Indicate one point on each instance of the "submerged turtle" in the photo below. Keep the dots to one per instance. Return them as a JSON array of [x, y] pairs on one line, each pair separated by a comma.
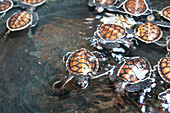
[[133, 7], [134, 74], [5, 5], [112, 37], [81, 64], [101, 4], [28, 3], [21, 20]]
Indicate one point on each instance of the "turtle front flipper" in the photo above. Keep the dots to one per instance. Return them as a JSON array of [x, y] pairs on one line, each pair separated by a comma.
[[138, 86], [115, 72], [61, 83], [35, 19], [121, 2], [160, 43], [162, 24]]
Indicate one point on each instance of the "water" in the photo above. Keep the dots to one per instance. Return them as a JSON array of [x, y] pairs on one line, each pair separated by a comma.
[[31, 61]]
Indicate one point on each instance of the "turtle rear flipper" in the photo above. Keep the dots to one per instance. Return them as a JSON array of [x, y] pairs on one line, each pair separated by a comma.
[[35, 19], [65, 57], [121, 2], [168, 43], [61, 83], [138, 86]]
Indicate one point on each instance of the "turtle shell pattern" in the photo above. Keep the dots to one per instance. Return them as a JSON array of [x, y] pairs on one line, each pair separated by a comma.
[[5, 5], [105, 2], [19, 21], [110, 32], [166, 13], [33, 2], [135, 7], [164, 69], [82, 62], [135, 69], [148, 32]]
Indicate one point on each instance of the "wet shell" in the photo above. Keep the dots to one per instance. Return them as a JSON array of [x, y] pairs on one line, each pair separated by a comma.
[[135, 70], [135, 7], [105, 2], [110, 32], [5, 6], [19, 21], [33, 2], [164, 69], [166, 13], [148, 32], [82, 62]]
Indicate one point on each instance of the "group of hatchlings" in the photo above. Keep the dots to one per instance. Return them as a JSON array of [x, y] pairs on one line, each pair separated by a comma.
[[20, 19], [133, 73]]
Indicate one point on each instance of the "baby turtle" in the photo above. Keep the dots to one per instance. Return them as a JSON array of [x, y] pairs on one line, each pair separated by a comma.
[[134, 7], [112, 37], [28, 3], [5, 5], [134, 74], [148, 32], [21, 20], [101, 4], [81, 64]]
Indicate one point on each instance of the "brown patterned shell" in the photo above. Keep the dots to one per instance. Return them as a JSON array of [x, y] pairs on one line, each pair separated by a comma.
[[19, 21], [135, 7], [5, 6], [110, 32], [105, 2], [164, 69], [148, 32], [82, 62], [166, 13], [135, 69], [33, 2]]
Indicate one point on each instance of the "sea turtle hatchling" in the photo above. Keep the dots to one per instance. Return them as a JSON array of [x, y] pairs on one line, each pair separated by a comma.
[[21, 20], [102, 4], [28, 3], [112, 37], [133, 73], [134, 7], [150, 32], [81, 64], [5, 5]]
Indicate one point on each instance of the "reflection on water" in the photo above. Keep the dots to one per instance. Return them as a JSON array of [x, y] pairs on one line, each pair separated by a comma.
[[31, 61]]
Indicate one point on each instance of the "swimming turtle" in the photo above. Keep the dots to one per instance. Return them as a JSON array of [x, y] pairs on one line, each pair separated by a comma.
[[5, 5], [21, 20], [113, 37], [101, 4], [133, 73], [28, 3], [81, 64], [134, 7], [150, 32]]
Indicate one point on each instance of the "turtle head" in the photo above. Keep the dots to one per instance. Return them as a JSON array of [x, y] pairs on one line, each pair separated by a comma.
[[82, 81], [150, 18]]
